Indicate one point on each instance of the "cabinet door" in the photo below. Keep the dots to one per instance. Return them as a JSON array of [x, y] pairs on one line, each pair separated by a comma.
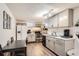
[[63, 19], [55, 21], [60, 50], [52, 44], [47, 43]]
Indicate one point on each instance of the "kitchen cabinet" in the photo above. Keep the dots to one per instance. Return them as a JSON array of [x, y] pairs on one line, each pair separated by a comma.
[[59, 50], [62, 46], [66, 18], [50, 43], [54, 21], [59, 45], [62, 19]]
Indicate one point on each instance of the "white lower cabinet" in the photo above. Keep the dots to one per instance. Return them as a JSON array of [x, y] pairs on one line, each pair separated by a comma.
[[47, 43], [59, 46], [50, 43], [62, 46], [59, 50]]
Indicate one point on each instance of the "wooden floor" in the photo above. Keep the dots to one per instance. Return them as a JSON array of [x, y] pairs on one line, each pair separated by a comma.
[[36, 49]]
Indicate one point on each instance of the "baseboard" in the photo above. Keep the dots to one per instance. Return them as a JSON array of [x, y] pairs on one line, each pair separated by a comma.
[[52, 51]]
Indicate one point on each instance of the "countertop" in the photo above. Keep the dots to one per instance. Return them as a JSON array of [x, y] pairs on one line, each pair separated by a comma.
[[64, 38], [58, 37]]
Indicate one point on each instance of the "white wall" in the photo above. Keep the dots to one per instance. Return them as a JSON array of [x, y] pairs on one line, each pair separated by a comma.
[[6, 34]]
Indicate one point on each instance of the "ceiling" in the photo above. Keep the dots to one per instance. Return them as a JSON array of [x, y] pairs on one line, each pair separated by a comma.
[[35, 11]]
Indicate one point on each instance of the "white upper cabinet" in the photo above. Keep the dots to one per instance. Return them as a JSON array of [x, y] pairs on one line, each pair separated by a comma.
[[63, 19], [66, 18], [76, 16], [55, 21]]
